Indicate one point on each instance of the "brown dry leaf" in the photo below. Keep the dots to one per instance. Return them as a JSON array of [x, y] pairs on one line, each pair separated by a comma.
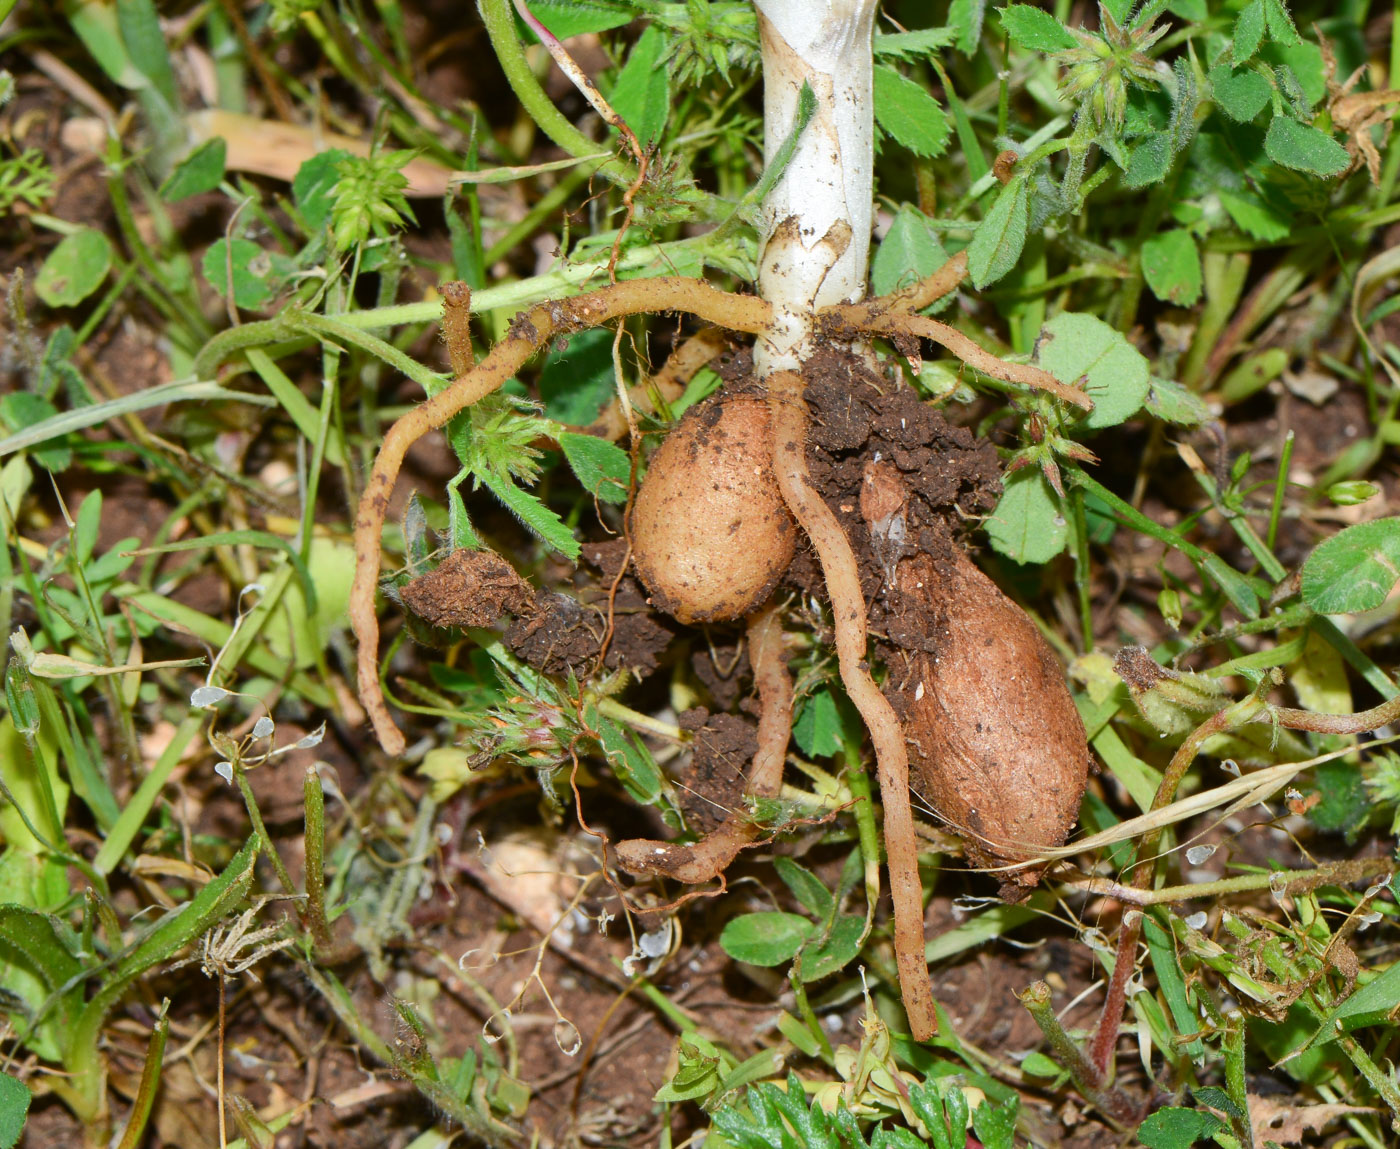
[[1273, 1120]]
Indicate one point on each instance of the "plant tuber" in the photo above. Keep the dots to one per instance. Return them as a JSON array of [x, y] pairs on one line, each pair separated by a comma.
[[711, 535], [996, 744]]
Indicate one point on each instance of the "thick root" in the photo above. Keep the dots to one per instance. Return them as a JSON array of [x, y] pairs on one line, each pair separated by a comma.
[[848, 608], [706, 859], [530, 331]]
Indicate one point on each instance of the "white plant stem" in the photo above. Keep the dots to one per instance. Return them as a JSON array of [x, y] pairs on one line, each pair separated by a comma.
[[817, 219]]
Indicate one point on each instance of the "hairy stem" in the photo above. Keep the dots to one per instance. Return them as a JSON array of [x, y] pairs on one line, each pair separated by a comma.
[[848, 609], [528, 333], [708, 858]]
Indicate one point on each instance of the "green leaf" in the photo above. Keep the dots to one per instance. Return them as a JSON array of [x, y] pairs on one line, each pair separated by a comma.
[[1149, 161], [1354, 570], [1345, 804], [1074, 345], [630, 761], [603, 468], [14, 1108], [1170, 401], [837, 951], [806, 887], [965, 18], [1193, 11], [534, 514], [995, 1125], [642, 94], [1255, 217], [1369, 1005], [1241, 95], [767, 939], [1172, 267], [1304, 60], [1173, 1127], [1249, 32], [908, 114], [1280, 23], [1029, 524], [75, 268], [1304, 148], [198, 172], [1038, 1065], [1036, 29], [817, 730], [997, 243], [256, 274], [145, 41], [1172, 983], [576, 380], [313, 187], [22, 409], [567, 18], [914, 45], [909, 251]]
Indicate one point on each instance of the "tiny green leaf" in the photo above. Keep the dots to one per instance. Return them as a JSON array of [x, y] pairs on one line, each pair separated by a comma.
[[198, 172], [1034, 28], [1304, 148], [75, 268], [603, 468], [254, 273], [806, 887], [908, 114], [997, 243], [817, 730], [1174, 1127], [1028, 525], [14, 1109], [577, 378], [1255, 217], [1074, 345], [1172, 267], [837, 951], [1280, 23], [916, 45], [1149, 161], [567, 18], [965, 18], [909, 251], [313, 187], [642, 94], [1249, 32], [1355, 569], [1241, 95], [1172, 402], [767, 939]]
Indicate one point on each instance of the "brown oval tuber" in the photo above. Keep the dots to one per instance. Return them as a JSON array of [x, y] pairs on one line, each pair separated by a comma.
[[996, 744], [711, 535]]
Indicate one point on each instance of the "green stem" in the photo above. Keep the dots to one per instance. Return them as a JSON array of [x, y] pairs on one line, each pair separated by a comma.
[[255, 816]]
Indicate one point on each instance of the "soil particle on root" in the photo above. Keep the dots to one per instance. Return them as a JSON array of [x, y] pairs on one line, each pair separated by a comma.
[[944, 473], [468, 588], [711, 787]]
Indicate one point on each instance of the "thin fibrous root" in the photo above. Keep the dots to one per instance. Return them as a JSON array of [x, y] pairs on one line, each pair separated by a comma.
[[916, 297], [848, 610], [530, 331], [842, 322], [709, 857]]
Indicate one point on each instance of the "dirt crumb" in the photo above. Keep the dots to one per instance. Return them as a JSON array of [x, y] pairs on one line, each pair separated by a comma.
[[468, 588], [712, 785]]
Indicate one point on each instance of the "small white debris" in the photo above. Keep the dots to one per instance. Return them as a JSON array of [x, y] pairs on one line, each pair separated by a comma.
[[224, 770], [1198, 854], [919, 692], [207, 695], [1197, 921]]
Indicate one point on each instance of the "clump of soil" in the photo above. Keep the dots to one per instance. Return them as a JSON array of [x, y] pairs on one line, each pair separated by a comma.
[[561, 634], [468, 588], [711, 787]]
